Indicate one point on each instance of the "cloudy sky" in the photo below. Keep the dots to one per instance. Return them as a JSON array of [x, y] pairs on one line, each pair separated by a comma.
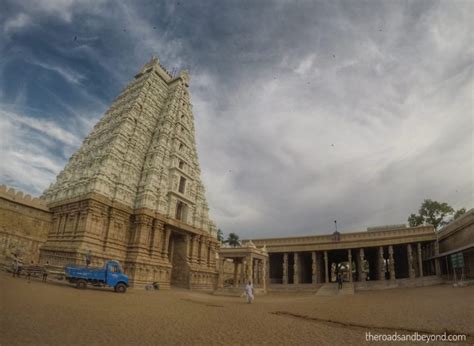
[[306, 111]]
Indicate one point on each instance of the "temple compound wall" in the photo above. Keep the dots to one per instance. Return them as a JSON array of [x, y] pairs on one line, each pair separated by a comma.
[[456, 237], [133, 191], [376, 258], [24, 225]]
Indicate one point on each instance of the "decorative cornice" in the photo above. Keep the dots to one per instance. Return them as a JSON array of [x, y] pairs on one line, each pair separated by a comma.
[[349, 240]]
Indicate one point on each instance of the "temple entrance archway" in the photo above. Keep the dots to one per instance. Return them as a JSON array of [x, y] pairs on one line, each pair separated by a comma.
[[178, 258]]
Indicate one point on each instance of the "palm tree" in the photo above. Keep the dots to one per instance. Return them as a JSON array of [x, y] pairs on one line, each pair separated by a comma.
[[233, 240], [220, 236]]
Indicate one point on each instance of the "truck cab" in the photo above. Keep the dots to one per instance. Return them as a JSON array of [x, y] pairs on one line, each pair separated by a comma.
[[114, 274]]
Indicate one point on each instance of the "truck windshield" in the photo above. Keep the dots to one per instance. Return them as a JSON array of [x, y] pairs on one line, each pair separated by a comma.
[[114, 268]]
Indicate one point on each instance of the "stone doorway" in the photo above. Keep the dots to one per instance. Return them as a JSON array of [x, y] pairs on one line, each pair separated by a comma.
[[338, 264], [178, 258]]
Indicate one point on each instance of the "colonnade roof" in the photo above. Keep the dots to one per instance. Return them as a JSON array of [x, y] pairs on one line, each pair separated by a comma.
[[349, 240], [243, 251]]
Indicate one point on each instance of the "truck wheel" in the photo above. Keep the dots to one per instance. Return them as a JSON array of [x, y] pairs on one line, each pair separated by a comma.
[[120, 288], [81, 284]]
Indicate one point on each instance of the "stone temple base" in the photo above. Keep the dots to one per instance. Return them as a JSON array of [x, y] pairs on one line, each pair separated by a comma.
[[149, 246]]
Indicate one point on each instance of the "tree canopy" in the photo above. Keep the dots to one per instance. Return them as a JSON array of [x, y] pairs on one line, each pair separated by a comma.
[[233, 240], [434, 213], [220, 235], [459, 213]]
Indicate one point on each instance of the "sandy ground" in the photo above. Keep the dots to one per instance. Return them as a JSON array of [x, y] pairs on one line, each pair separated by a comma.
[[57, 314]]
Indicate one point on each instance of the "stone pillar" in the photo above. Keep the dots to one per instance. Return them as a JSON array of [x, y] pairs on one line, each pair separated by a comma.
[[166, 243], [236, 268], [411, 270], [392, 262], [201, 249], [221, 272], [208, 253], [326, 272], [264, 274], [437, 263], [195, 246], [214, 247], [267, 271], [349, 259], [285, 268], [360, 266], [249, 269], [314, 268], [255, 272], [296, 272], [420, 260], [243, 265], [187, 240], [382, 267], [157, 238]]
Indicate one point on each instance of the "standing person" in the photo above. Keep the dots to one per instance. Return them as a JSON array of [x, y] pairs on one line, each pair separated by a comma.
[[28, 272], [249, 292], [15, 264], [339, 281], [88, 257], [45, 272]]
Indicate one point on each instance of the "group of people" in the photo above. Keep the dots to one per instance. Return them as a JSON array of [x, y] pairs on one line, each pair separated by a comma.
[[17, 267]]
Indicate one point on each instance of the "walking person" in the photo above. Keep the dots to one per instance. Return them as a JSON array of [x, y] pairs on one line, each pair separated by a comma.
[[249, 292], [88, 258]]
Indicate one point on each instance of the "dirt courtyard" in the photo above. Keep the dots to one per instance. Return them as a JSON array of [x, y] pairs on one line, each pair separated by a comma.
[[57, 314]]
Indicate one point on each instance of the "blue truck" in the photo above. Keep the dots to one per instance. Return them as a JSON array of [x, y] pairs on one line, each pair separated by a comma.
[[110, 275]]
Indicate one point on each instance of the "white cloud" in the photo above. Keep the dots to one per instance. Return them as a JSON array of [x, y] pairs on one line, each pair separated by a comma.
[[20, 21], [46, 127], [29, 151], [67, 73]]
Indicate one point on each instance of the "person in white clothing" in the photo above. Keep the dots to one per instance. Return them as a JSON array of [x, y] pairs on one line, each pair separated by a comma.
[[249, 292]]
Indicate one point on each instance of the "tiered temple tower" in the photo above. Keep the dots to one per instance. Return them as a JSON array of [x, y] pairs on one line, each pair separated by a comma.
[[133, 190]]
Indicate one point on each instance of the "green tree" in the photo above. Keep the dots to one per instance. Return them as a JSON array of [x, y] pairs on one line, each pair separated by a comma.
[[233, 240], [459, 213], [433, 213], [220, 235]]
